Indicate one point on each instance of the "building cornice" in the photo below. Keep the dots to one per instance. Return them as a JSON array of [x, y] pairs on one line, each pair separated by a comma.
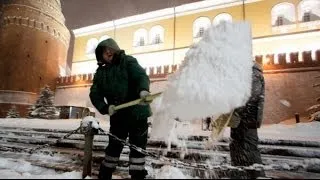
[[157, 15]]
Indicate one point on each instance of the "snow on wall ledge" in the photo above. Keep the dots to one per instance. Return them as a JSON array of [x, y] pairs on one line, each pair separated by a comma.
[[215, 78]]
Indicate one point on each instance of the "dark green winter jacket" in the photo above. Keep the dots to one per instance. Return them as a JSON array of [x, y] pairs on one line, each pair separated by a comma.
[[118, 82]]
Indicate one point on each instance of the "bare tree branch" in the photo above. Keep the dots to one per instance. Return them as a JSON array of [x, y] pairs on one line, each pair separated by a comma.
[[314, 107], [316, 85]]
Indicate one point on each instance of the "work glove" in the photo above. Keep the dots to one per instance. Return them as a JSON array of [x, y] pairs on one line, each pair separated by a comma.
[[111, 110], [143, 95], [235, 120]]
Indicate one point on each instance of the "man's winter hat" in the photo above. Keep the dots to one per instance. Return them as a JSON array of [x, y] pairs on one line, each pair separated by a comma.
[[110, 43], [105, 43]]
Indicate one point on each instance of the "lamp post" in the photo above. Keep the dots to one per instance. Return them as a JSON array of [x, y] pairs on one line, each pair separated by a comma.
[[243, 10]]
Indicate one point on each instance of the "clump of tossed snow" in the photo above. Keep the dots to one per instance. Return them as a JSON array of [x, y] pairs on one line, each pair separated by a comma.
[[312, 165], [42, 156], [214, 79], [86, 121], [19, 169], [170, 172], [285, 103]]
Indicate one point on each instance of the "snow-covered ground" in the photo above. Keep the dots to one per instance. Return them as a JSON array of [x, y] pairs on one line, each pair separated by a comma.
[[302, 131], [61, 124], [19, 168]]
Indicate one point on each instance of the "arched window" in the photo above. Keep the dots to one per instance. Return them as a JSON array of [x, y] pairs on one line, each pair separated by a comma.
[[221, 18], [309, 10], [156, 35], [283, 14], [91, 45], [140, 37], [200, 25], [104, 37]]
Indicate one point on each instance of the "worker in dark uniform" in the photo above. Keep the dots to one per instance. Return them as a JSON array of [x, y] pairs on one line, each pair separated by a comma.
[[244, 124], [244, 138], [120, 79]]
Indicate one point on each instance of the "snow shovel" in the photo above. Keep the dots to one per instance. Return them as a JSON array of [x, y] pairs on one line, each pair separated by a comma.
[[219, 124], [137, 101]]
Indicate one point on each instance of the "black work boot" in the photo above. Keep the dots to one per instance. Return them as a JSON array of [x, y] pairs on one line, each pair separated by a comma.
[[105, 173], [139, 175]]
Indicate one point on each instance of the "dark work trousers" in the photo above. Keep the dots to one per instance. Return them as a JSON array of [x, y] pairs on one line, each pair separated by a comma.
[[244, 148], [123, 124]]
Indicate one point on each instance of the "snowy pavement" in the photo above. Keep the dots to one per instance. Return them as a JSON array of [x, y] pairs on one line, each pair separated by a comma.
[[20, 168], [60, 124], [302, 131]]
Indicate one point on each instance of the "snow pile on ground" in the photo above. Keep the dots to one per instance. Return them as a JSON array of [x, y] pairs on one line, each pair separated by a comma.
[[296, 132], [215, 78], [170, 172], [307, 131], [61, 124], [312, 165], [90, 119], [19, 169]]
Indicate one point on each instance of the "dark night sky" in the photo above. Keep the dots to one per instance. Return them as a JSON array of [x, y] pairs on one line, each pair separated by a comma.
[[80, 13]]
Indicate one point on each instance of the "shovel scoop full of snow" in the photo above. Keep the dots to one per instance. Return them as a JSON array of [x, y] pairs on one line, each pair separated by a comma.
[[214, 79]]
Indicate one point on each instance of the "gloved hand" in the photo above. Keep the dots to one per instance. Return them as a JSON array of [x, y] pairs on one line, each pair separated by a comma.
[[111, 110], [235, 120], [143, 95]]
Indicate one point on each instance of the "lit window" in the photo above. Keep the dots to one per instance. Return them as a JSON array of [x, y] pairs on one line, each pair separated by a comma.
[[279, 21], [201, 32], [157, 39], [306, 17], [91, 45], [283, 14], [140, 37], [141, 41], [223, 17], [156, 35], [200, 25], [309, 10]]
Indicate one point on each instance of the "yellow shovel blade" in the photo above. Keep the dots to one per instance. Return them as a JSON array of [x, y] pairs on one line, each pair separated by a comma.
[[137, 101]]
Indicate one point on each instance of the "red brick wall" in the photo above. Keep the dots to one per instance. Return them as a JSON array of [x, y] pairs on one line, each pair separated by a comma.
[[22, 109], [33, 45], [295, 87]]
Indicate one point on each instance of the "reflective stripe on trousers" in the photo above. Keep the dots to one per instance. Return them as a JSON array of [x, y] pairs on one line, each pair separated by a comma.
[[137, 164], [137, 160], [134, 167], [110, 162], [112, 159]]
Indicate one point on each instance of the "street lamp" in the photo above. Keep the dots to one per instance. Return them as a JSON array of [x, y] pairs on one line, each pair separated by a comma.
[[243, 10]]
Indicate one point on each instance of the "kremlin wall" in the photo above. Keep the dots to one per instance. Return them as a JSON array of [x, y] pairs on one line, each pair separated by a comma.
[[36, 41]]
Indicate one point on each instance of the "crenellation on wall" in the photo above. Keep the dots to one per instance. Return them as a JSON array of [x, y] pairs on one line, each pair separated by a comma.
[[155, 73], [48, 18], [52, 30], [285, 62], [298, 59], [49, 7], [288, 91]]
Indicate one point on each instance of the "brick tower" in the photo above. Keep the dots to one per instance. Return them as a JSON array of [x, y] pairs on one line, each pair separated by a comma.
[[34, 42]]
